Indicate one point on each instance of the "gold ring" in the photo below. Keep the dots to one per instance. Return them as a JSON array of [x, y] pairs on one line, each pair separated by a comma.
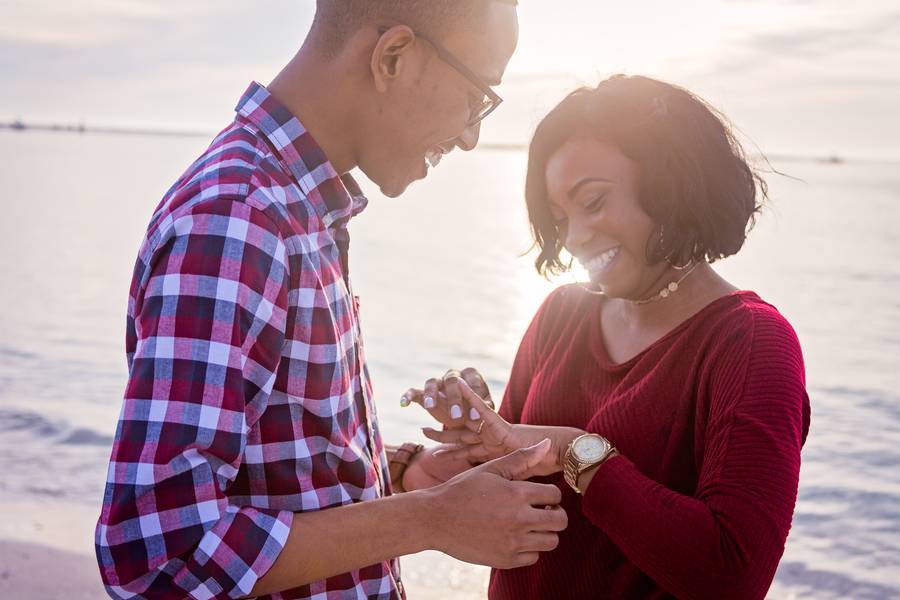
[[480, 427]]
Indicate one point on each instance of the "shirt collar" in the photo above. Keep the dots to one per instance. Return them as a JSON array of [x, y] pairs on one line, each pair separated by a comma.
[[335, 198]]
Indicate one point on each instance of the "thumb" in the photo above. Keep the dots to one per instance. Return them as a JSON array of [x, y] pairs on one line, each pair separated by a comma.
[[518, 464]]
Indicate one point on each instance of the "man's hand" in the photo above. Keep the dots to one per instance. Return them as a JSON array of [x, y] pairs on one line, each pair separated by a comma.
[[488, 515], [491, 436], [433, 466], [444, 400]]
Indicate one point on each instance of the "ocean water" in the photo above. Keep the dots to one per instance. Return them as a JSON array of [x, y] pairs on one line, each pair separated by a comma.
[[442, 284]]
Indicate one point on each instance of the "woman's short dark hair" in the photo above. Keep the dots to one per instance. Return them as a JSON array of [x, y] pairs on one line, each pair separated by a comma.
[[694, 180]]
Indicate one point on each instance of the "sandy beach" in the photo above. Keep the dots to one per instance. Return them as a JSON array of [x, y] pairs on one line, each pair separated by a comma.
[[26, 568], [46, 550], [47, 553]]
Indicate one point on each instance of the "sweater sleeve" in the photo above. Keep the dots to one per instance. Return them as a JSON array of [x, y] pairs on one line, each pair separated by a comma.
[[725, 540]]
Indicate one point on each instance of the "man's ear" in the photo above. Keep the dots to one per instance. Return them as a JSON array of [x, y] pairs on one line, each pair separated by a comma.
[[390, 55]]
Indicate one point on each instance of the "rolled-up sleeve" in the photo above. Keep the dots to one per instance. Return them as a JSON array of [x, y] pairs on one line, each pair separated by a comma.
[[209, 325]]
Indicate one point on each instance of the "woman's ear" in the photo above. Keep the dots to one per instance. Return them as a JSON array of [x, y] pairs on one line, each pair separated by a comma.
[[391, 55]]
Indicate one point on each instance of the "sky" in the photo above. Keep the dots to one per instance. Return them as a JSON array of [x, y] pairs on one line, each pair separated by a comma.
[[805, 77]]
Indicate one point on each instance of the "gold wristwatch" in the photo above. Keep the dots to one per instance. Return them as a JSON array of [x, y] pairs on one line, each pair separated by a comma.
[[585, 451]]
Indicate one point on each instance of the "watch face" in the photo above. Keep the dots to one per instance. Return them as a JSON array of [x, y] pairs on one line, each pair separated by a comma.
[[590, 448]]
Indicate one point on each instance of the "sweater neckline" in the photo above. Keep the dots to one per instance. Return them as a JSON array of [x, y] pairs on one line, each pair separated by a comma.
[[612, 365]]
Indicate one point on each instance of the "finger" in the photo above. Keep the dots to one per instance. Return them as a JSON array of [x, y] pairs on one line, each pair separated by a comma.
[[540, 494], [452, 383], [516, 465], [495, 427], [430, 395], [525, 559], [433, 400], [481, 453], [541, 541], [550, 518], [411, 395], [449, 436], [472, 377], [474, 400], [474, 454], [468, 437]]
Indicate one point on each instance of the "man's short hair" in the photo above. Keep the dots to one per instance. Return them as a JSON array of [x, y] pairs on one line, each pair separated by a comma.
[[337, 20]]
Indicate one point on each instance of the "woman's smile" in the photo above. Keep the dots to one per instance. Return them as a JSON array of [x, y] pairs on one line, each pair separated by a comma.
[[597, 264]]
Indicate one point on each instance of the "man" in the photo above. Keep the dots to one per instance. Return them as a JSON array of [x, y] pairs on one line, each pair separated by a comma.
[[248, 459]]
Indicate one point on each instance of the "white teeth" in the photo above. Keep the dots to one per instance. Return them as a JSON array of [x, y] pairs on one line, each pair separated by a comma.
[[600, 261], [434, 157]]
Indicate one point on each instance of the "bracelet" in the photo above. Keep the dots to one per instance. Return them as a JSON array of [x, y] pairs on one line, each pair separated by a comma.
[[398, 461]]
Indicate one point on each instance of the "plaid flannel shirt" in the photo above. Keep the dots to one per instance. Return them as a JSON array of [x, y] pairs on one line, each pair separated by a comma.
[[248, 397]]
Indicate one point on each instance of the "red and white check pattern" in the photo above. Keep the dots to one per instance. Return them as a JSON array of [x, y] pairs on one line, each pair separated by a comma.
[[248, 398]]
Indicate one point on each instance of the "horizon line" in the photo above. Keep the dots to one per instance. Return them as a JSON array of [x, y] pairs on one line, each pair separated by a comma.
[[82, 128]]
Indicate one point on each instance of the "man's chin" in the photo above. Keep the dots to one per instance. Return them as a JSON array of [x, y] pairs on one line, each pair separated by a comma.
[[392, 192], [397, 188], [394, 189], [394, 184]]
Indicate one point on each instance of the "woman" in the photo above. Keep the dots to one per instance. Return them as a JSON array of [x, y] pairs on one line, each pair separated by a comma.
[[675, 401]]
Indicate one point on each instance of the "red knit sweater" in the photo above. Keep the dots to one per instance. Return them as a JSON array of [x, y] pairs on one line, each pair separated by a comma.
[[710, 420]]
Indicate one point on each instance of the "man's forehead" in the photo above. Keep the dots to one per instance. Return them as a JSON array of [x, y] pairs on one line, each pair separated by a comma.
[[488, 49]]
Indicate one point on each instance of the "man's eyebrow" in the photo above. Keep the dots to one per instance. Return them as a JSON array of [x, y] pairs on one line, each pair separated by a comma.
[[585, 181]]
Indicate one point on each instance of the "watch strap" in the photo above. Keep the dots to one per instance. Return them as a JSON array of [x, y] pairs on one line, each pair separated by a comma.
[[399, 458]]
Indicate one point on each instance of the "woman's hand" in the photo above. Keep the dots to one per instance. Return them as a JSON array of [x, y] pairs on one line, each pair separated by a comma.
[[433, 466], [444, 401], [490, 436]]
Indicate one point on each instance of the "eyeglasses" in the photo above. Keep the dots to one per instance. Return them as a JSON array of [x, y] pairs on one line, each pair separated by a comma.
[[489, 100]]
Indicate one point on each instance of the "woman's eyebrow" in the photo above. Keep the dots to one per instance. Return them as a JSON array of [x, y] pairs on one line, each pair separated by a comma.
[[585, 181]]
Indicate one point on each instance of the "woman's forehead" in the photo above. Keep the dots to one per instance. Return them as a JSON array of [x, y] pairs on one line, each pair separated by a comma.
[[584, 158]]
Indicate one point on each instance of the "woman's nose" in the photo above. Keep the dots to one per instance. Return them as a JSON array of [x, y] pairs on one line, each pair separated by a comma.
[[577, 235]]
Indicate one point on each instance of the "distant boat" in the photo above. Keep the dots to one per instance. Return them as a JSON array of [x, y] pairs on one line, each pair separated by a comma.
[[18, 125], [834, 159]]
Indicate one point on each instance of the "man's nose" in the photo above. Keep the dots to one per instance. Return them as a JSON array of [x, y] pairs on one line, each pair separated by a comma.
[[469, 138]]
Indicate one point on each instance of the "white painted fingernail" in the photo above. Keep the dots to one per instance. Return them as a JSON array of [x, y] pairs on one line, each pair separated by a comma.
[[429, 402], [404, 401], [455, 412], [473, 414]]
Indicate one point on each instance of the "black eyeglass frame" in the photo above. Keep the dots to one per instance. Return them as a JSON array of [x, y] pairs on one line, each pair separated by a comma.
[[482, 86]]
